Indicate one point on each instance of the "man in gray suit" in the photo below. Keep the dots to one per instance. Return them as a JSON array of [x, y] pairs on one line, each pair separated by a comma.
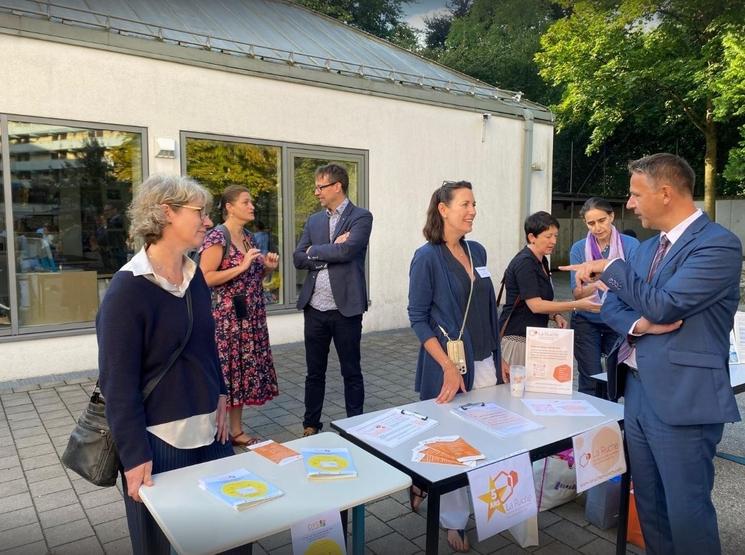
[[334, 295], [675, 301]]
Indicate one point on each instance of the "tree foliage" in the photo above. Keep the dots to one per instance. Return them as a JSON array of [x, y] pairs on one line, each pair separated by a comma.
[[643, 63], [382, 18], [496, 42]]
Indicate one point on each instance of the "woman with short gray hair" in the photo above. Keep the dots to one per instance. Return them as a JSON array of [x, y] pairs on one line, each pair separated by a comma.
[[158, 307]]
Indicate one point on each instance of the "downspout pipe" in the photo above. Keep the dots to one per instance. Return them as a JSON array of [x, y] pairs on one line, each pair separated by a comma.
[[526, 187]]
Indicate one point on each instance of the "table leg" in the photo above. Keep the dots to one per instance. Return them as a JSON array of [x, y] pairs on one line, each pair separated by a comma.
[[433, 522], [344, 516], [623, 505], [358, 530]]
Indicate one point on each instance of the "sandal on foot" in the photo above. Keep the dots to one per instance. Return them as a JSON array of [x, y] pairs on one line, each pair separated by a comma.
[[464, 540], [243, 440], [415, 499]]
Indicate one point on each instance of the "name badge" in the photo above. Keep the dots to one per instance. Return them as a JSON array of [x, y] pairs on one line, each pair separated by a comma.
[[483, 271]]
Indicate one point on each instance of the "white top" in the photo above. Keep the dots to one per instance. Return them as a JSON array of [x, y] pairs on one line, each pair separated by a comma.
[[555, 428], [195, 522]]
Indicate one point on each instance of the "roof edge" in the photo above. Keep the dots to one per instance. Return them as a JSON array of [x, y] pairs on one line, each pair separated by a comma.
[[29, 27]]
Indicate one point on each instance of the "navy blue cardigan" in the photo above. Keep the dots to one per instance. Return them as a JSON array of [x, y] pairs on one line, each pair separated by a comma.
[[432, 302], [139, 326]]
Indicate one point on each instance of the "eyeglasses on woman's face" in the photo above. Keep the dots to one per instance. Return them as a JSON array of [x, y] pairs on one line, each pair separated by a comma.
[[203, 213]]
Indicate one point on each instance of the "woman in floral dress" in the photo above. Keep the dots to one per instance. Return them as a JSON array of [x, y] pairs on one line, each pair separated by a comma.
[[235, 277]]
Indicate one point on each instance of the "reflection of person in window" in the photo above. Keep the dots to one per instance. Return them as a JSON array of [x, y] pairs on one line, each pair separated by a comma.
[[261, 237], [111, 239], [34, 253]]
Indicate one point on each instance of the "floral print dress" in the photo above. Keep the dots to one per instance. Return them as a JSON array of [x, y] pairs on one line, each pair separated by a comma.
[[242, 344]]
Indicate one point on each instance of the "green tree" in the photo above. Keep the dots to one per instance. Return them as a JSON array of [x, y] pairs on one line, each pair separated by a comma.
[[496, 42], [730, 102], [382, 18], [645, 63]]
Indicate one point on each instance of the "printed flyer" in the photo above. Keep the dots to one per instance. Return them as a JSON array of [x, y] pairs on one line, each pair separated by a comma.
[[549, 360], [502, 494]]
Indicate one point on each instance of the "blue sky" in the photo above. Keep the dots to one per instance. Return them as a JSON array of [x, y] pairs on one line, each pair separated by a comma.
[[415, 12]]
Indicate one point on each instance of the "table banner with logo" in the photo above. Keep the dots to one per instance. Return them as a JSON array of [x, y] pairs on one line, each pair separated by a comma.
[[321, 534], [503, 495], [598, 455]]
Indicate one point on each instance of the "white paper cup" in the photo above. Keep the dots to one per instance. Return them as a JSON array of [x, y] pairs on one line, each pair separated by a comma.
[[517, 380]]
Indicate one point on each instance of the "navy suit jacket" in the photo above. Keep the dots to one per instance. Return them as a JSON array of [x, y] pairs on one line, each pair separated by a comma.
[[345, 261], [433, 303], [685, 374]]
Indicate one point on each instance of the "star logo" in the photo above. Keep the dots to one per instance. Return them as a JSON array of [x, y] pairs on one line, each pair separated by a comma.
[[501, 488]]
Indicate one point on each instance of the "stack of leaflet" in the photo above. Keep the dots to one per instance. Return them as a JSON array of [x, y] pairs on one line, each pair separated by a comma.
[[325, 464], [278, 453], [240, 489], [447, 450]]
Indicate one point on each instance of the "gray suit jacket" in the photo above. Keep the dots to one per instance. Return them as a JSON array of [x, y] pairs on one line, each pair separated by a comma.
[[345, 261]]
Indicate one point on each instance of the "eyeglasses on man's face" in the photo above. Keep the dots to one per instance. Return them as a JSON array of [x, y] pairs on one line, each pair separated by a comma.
[[203, 213], [322, 187]]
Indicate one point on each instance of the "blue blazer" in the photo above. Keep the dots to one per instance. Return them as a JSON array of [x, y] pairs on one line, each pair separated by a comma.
[[345, 261], [685, 374], [432, 302]]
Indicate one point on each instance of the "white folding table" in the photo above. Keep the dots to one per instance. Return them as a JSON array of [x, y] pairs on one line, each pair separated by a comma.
[[437, 479], [197, 523]]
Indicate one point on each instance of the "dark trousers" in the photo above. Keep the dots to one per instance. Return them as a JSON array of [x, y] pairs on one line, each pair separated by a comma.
[[144, 533], [673, 472], [320, 329], [591, 341]]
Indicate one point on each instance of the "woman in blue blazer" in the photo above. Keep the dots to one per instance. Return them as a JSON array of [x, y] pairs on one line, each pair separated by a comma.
[[451, 295]]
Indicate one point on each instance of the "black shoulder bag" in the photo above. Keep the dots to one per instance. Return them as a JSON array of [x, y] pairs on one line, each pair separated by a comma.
[[514, 306], [91, 451]]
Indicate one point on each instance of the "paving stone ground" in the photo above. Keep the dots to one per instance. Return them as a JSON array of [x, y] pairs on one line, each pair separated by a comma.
[[45, 508]]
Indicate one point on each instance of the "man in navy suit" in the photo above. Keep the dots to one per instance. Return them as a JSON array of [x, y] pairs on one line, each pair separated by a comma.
[[334, 295], [675, 301]]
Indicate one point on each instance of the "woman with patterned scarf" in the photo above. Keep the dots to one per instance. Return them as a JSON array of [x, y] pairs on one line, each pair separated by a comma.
[[592, 337]]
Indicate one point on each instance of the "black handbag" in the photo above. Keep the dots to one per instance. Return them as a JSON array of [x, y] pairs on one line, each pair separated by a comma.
[[91, 451]]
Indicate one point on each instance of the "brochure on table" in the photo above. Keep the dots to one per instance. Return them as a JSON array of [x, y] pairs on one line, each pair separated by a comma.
[[495, 419], [502, 494], [446, 450], [276, 452], [549, 360], [240, 488], [598, 455], [324, 464], [321, 534], [393, 427]]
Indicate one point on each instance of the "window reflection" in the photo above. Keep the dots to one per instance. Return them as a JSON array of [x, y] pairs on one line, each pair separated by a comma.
[[4, 287], [217, 164], [70, 187]]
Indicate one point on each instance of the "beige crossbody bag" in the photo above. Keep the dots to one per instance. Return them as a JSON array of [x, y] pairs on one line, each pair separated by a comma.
[[455, 348]]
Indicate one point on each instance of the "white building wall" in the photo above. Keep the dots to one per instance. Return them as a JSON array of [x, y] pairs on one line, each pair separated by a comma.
[[412, 148]]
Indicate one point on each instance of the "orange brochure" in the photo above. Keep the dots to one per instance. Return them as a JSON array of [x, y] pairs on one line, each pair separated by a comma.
[[276, 452], [458, 449], [446, 450]]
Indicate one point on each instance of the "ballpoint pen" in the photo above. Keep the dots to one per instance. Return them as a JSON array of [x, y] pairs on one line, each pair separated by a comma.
[[416, 414]]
